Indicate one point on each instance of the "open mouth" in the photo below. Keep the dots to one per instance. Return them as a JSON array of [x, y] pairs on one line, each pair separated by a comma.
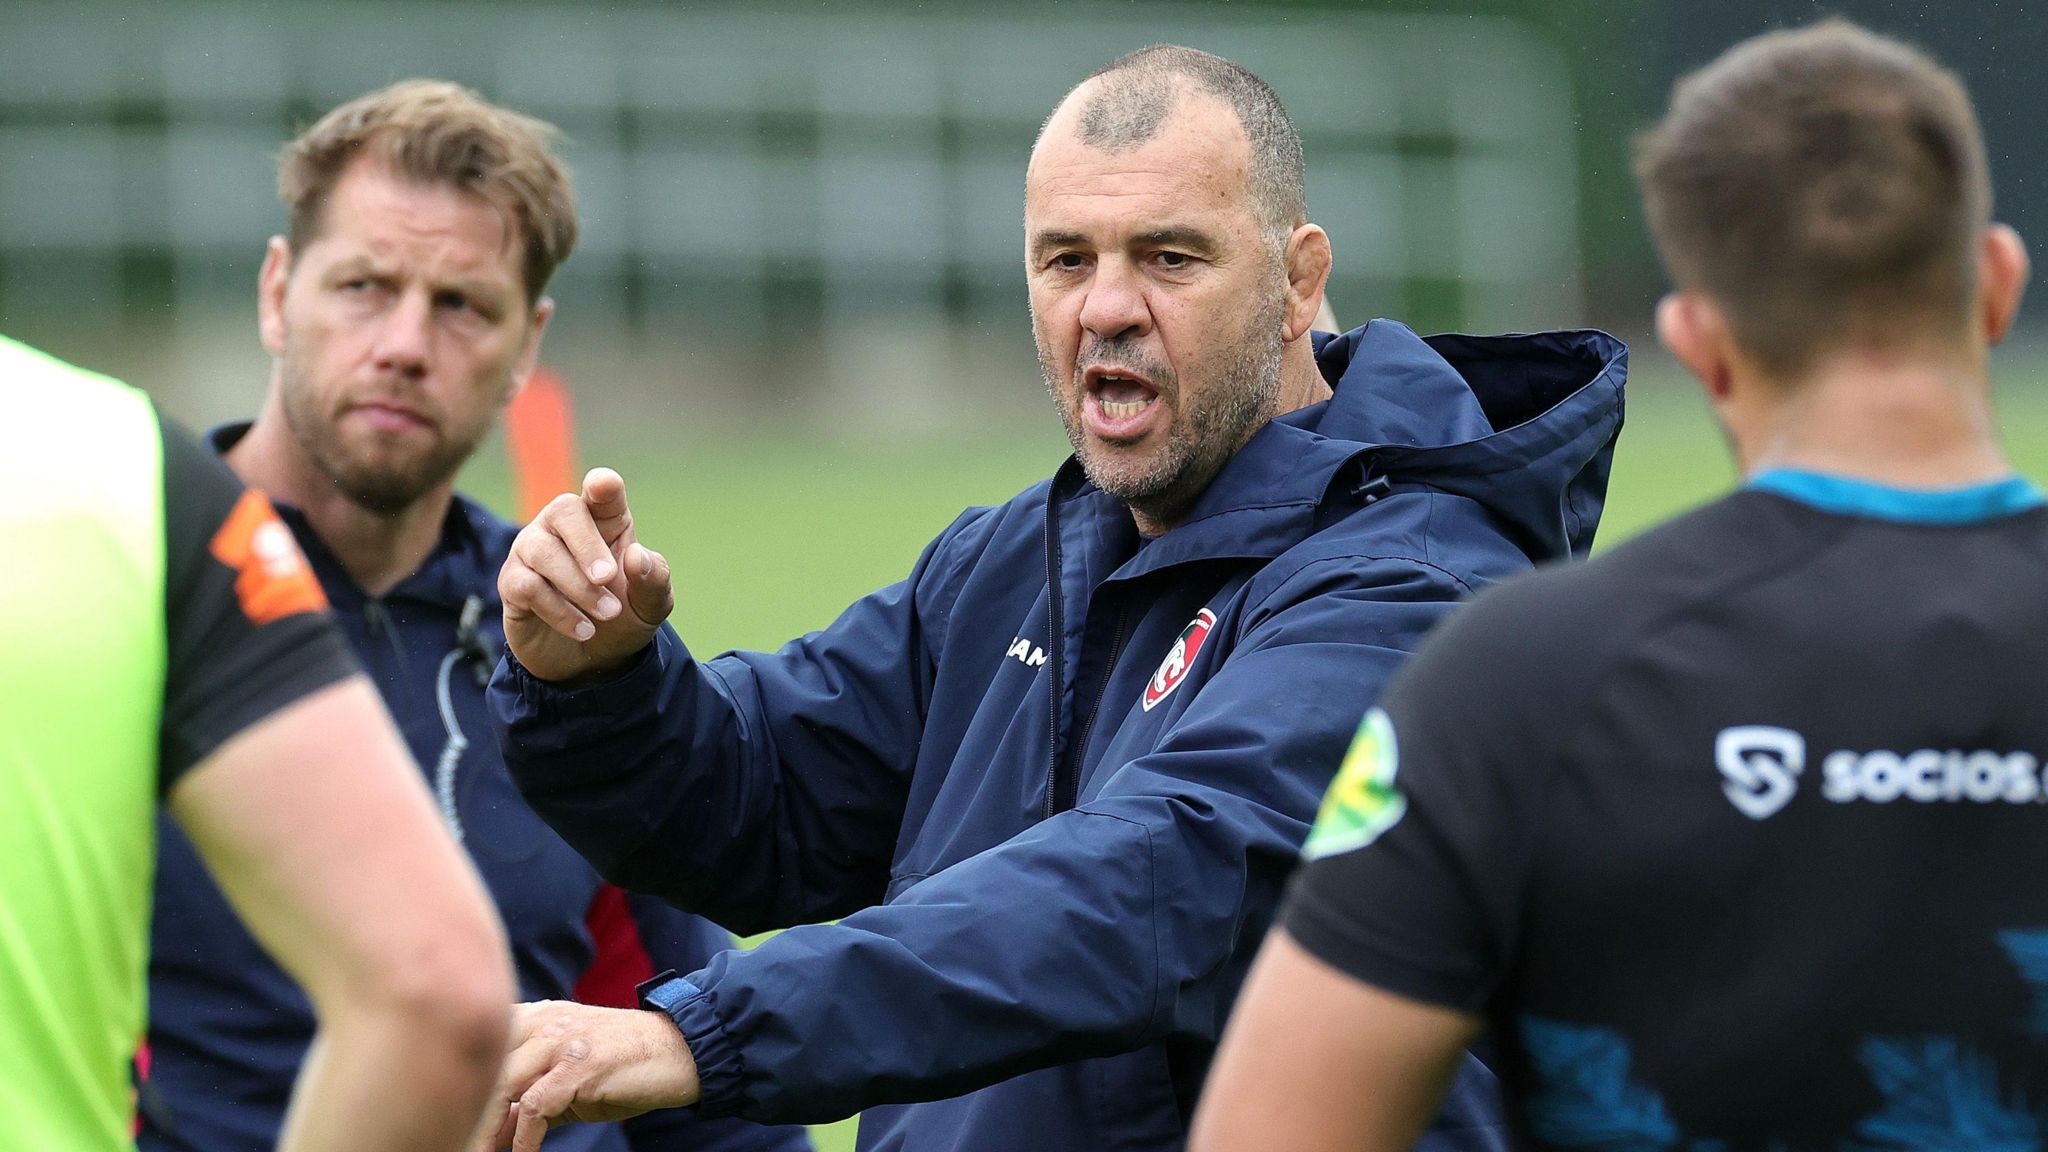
[[1119, 403]]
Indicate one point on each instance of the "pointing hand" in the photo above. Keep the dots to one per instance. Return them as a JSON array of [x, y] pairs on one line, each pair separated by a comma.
[[582, 595]]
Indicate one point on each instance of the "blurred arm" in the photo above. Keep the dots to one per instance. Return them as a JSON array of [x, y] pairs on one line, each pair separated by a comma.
[[1316, 1061], [315, 824]]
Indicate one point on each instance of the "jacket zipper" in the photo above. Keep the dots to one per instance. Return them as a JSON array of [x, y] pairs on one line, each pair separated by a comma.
[[377, 622], [1053, 643], [1079, 748]]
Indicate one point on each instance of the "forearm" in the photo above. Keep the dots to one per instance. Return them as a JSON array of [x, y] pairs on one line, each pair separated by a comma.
[[649, 777], [1072, 941], [760, 789], [446, 1062], [1121, 923], [677, 779]]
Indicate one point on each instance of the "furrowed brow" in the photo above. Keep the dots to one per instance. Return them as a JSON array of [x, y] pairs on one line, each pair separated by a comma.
[[356, 265], [1047, 241], [1179, 236]]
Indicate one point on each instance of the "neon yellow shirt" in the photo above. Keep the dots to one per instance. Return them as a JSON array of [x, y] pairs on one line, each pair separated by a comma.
[[81, 693]]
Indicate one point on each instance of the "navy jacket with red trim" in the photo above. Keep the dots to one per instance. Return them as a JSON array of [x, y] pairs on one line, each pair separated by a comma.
[[228, 1028], [1053, 783]]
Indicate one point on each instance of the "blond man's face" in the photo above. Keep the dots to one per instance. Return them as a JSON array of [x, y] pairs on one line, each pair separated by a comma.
[[400, 331]]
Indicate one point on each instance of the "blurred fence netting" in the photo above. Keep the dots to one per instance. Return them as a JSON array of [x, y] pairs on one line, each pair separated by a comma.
[[815, 206]]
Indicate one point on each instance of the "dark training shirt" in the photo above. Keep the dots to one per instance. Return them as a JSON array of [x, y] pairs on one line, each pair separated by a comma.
[[1735, 835], [248, 631]]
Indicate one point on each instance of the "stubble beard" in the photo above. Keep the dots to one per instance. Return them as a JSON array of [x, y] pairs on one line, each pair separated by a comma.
[[1203, 435], [383, 487]]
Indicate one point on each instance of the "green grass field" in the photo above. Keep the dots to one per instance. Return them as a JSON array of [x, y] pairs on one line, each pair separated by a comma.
[[770, 538]]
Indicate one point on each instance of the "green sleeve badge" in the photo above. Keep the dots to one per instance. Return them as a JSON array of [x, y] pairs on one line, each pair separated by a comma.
[[1362, 801]]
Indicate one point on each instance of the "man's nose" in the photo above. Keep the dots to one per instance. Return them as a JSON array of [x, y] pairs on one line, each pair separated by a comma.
[[1116, 304], [405, 334]]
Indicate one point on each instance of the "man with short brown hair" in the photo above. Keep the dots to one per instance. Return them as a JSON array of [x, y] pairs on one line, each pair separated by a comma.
[[1730, 836], [402, 309], [1826, 189], [434, 132]]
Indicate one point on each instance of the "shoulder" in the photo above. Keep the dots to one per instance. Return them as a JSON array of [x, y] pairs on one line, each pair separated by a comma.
[[1553, 631], [1694, 558], [1417, 530], [983, 535], [1385, 547], [1023, 513], [980, 526]]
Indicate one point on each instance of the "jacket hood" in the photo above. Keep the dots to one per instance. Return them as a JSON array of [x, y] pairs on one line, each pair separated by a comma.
[[1523, 424]]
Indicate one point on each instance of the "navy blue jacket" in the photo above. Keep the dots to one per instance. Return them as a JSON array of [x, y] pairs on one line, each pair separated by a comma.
[[228, 1028], [1054, 781]]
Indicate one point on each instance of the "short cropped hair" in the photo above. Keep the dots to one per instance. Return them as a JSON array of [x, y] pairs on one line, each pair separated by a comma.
[[434, 132], [1141, 89], [1825, 186]]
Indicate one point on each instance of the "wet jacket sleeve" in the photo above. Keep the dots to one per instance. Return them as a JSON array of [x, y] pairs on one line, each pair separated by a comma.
[[1118, 924], [675, 743]]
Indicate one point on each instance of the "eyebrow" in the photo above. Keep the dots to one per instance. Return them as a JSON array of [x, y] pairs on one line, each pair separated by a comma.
[[1044, 241], [353, 265], [367, 265], [1179, 236], [1171, 236]]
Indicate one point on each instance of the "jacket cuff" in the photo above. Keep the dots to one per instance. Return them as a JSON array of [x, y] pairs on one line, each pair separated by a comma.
[[551, 734], [629, 682], [719, 1069]]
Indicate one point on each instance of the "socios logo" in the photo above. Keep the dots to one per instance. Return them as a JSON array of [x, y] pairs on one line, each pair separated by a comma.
[[1760, 767], [1932, 776]]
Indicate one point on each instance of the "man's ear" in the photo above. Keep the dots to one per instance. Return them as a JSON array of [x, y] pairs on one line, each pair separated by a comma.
[[2002, 270], [271, 283], [529, 356], [1308, 272], [1326, 318], [1696, 333]]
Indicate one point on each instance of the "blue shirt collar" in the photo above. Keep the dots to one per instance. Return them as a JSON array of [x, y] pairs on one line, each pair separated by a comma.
[[1849, 497]]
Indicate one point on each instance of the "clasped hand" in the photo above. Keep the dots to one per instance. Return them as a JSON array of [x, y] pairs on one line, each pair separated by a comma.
[[573, 1062]]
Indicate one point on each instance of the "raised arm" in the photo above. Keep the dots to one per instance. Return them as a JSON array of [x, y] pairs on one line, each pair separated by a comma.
[[760, 789]]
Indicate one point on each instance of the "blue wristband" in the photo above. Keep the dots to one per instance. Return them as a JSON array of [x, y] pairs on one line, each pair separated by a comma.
[[664, 990]]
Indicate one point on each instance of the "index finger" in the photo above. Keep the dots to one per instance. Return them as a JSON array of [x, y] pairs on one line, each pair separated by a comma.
[[569, 519], [604, 493]]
